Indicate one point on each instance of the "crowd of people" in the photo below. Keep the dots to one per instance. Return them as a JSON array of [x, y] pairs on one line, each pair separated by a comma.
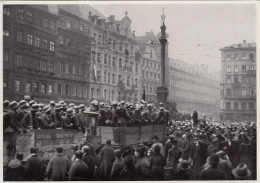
[[191, 150]]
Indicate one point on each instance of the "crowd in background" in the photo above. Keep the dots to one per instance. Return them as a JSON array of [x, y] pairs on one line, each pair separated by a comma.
[[191, 150]]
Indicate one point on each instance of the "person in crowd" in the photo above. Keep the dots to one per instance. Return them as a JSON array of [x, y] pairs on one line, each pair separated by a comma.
[[241, 172], [142, 165], [137, 116], [195, 118], [89, 160], [70, 120], [128, 173], [245, 152], [15, 170], [168, 146], [117, 167], [150, 154], [79, 171], [213, 172], [148, 115], [58, 166], [86, 142], [157, 164], [56, 116], [79, 116], [106, 160], [44, 120], [232, 148], [174, 155], [183, 169], [14, 118], [52, 106], [156, 142], [31, 119], [74, 148]]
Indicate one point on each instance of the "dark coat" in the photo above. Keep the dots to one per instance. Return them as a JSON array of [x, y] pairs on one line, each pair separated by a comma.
[[58, 167], [105, 162], [90, 161], [45, 122], [212, 174], [71, 122], [79, 171], [173, 157], [34, 162], [91, 148], [195, 117], [117, 167], [232, 150], [56, 117], [245, 155], [128, 174], [142, 169], [15, 171], [29, 119], [156, 165], [181, 175], [14, 121]]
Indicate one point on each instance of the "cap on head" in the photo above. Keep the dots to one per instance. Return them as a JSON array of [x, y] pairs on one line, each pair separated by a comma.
[[69, 112], [58, 106], [32, 102], [22, 103], [71, 105], [35, 107], [82, 106], [46, 109], [52, 103], [61, 102]]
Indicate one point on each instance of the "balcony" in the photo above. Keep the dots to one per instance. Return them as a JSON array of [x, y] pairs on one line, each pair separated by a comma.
[[251, 72], [236, 85]]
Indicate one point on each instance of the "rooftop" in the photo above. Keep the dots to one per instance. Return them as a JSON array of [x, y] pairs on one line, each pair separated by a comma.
[[240, 45]]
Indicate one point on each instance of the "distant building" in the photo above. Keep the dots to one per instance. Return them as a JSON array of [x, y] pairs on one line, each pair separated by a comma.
[[238, 86], [193, 87]]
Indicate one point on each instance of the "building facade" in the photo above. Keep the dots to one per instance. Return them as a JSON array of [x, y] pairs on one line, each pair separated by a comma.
[[193, 87], [238, 85]]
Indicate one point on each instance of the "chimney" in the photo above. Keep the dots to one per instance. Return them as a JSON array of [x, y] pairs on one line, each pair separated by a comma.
[[244, 41]]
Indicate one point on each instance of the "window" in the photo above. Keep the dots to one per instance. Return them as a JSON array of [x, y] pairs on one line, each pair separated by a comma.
[[92, 92], [29, 39], [62, 21], [93, 56], [243, 68], [243, 79], [136, 67], [114, 61], [113, 95], [81, 27], [53, 25], [154, 75], [128, 81], [6, 30], [109, 60], [37, 41], [120, 63], [228, 56], [251, 80], [43, 65], [50, 91], [251, 106], [99, 39], [51, 46], [29, 16], [236, 57], [28, 88], [43, 89], [73, 91], [17, 85], [251, 67], [69, 23], [97, 93], [19, 36], [108, 77], [243, 105], [105, 59], [6, 10], [51, 66], [228, 69], [228, 80], [98, 75], [136, 82], [113, 78], [119, 77], [99, 57], [251, 57], [243, 57], [105, 94], [45, 23], [114, 44], [236, 68], [85, 92], [77, 70], [62, 67], [6, 55], [20, 14], [44, 43], [105, 76], [36, 87], [228, 92], [228, 105], [243, 92], [236, 106], [59, 89], [18, 60]]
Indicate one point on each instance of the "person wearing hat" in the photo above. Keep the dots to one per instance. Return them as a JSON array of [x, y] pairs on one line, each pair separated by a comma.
[[183, 169], [81, 116], [79, 171], [213, 172], [56, 116], [58, 166], [241, 172], [101, 121], [117, 167], [137, 117], [128, 173], [31, 119], [70, 120], [64, 109], [156, 142], [6, 106], [33, 166], [80, 119], [74, 148], [31, 103], [157, 164], [124, 117], [44, 120], [22, 109], [142, 165], [148, 115], [52, 106], [89, 160], [195, 118], [15, 170], [161, 117], [232, 147], [173, 156], [214, 145], [168, 146]]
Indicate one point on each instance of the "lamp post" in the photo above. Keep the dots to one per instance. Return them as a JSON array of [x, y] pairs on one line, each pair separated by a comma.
[[162, 91]]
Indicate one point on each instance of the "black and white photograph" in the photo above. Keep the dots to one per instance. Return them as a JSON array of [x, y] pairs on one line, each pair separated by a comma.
[[129, 91]]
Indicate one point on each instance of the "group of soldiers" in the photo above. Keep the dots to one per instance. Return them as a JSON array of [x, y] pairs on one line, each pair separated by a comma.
[[23, 115]]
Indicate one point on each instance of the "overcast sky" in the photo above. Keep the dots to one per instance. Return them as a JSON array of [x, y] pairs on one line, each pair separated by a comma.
[[212, 26]]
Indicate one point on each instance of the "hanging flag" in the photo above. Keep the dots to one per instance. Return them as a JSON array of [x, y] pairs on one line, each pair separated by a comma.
[[95, 72], [143, 97]]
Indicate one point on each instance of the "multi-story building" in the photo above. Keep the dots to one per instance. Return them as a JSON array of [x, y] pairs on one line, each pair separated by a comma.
[[149, 48], [193, 87], [29, 53], [238, 85]]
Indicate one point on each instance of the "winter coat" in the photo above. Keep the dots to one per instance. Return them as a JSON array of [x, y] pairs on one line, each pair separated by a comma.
[[245, 154], [90, 161], [161, 147], [15, 171], [45, 122], [173, 157], [58, 167], [105, 162], [156, 165], [117, 167], [30, 119], [181, 175], [232, 148], [33, 163], [142, 169], [79, 171], [128, 174], [212, 174]]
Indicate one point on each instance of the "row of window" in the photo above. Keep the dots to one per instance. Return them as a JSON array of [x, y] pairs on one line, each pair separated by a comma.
[[243, 56], [238, 106], [36, 41], [69, 42], [150, 64], [236, 68], [33, 87], [150, 75], [244, 79], [74, 91], [70, 68], [181, 95], [240, 92]]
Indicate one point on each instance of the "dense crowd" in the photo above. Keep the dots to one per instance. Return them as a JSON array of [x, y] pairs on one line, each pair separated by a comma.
[[191, 150]]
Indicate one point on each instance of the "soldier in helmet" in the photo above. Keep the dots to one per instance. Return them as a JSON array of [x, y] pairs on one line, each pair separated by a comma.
[[31, 119], [44, 120], [56, 116], [148, 115], [70, 120]]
